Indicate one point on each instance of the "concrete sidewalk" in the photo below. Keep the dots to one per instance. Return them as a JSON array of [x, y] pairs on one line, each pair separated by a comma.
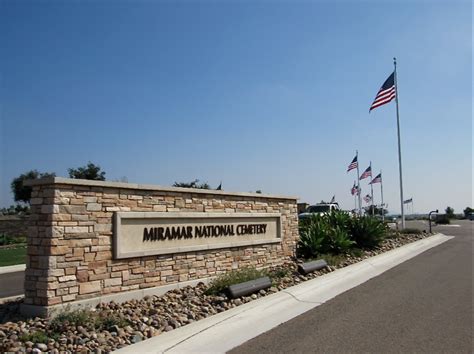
[[12, 279], [226, 330], [12, 268]]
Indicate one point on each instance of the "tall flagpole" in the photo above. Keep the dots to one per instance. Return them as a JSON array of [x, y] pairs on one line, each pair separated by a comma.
[[381, 195], [358, 184], [355, 197], [371, 189], [399, 146]]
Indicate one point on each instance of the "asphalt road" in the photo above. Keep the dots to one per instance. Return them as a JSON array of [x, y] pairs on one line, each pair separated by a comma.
[[422, 305], [11, 284]]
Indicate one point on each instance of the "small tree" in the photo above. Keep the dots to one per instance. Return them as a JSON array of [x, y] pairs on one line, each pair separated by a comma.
[[467, 211], [449, 212], [192, 184], [376, 210], [16, 209], [90, 171], [22, 193]]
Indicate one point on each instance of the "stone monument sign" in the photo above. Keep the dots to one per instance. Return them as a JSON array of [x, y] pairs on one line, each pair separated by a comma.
[[91, 241]]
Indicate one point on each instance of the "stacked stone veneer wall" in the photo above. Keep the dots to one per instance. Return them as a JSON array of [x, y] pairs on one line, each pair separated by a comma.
[[70, 254]]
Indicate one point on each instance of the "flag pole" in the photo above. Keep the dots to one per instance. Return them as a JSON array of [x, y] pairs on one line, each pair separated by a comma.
[[371, 189], [358, 184], [399, 146], [381, 195], [355, 196]]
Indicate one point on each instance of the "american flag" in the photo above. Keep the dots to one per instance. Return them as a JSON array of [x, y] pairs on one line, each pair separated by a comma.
[[377, 179], [354, 189], [353, 164], [367, 173], [386, 93], [367, 198]]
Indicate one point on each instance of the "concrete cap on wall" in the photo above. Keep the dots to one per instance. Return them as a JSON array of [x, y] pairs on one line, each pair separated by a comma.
[[150, 187]]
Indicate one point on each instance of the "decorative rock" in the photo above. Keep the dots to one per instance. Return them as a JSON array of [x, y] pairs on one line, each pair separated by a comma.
[[137, 337], [150, 317], [41, 346]]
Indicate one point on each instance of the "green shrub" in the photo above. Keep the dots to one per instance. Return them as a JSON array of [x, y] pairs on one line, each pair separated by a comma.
[[313, 231], [339, 218], [35, 337], [339, 240], [367, 232], [322, 234], [76, 318], [11, 240], [87, 319], [279, 273], [411, 230], [223, 281], [356, 252], [105, 321]]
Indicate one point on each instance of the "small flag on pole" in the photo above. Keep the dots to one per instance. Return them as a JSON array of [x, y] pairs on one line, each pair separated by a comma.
[[367, 173], [367, 198], [408, 201], [353, 164], [377, 179], [354, 189], [386, 93]]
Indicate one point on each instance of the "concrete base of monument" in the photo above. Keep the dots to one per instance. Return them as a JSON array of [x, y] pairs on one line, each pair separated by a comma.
[[229, 329], [51, 311]]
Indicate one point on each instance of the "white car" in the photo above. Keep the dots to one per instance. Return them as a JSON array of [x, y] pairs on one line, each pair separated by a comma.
[[320, 208]]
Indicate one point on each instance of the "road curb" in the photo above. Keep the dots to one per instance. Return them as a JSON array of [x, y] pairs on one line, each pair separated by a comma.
[[13, 268], [226, 330]]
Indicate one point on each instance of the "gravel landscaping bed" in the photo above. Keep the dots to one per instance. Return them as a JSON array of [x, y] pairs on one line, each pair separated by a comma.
[[111, 326]]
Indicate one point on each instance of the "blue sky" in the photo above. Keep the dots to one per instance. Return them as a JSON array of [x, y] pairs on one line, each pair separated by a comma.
[[269, 95]]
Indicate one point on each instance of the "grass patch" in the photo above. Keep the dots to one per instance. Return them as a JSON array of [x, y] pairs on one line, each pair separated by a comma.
[[35, 337], [76, 318], [332, 259], [223, 281], [279, 273], [356, 252], [13, 256], [87, 319]]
